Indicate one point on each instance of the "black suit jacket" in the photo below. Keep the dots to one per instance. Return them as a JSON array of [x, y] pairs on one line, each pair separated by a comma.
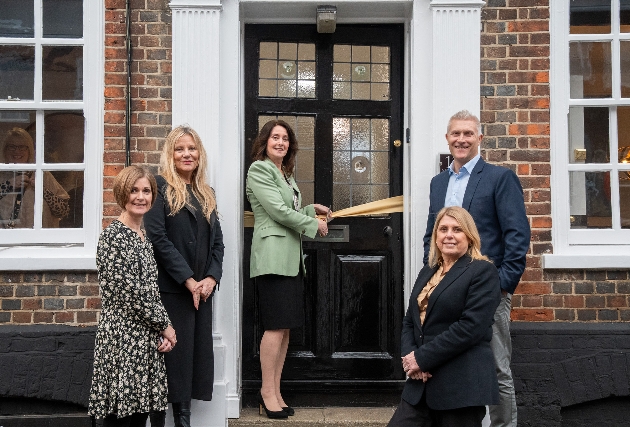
[[454, 343], [175, 244], [494, 198]]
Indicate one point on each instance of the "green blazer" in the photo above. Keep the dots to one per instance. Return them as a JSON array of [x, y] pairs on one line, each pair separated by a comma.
[[277, 241]]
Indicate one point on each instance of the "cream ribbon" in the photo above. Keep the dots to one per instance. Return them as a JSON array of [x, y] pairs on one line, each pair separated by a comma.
[[378, 207]]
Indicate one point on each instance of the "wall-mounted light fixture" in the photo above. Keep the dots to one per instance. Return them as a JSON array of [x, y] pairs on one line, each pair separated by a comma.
[[326, 19]]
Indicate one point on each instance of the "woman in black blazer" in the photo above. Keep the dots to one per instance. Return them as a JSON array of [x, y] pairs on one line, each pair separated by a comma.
[[447, 331], [188, 246]]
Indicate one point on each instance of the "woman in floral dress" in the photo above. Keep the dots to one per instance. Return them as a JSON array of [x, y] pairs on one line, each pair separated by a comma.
[[134, 329]]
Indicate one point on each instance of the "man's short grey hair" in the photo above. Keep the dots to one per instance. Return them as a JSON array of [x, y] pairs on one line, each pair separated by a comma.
[[464, 115]]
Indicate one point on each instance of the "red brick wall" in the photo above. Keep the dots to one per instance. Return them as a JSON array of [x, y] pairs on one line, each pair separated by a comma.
[[150, 90], [73, 297], [69, 298], [515, 110]]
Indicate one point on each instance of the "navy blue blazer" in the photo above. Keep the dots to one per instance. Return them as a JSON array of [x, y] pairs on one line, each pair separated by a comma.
[[453, 344], [494, 198]]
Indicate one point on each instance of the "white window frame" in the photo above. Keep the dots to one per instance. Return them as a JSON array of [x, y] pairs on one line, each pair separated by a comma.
[[65, 249], [573, 248]]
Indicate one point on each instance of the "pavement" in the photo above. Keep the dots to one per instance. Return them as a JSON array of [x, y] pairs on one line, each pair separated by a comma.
[[324, 417]]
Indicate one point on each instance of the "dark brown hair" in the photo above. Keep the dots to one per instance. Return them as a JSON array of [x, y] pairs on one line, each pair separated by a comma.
[[126, 178], [259, 147]]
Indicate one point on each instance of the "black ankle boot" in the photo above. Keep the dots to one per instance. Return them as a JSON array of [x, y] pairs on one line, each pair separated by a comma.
[[158, 418], [181, 414]]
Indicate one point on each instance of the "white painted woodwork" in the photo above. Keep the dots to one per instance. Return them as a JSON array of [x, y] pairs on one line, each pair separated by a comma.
[[66, 249], [197, 84], [208, 80], [594, 248]]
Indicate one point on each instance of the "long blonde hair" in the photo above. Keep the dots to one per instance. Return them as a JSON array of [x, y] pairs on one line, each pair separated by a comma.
[[176, 194], [467, 223]]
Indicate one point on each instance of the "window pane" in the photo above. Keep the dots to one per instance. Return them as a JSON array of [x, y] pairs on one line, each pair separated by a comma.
[[624, 197], [305, 132], [590, 200], [17, 133], [361, 72], [590, 64], [304, 166], [56, 201], [62, 73], [624, 47], [286, 70], [63, 137], [63, 18], [17, 72], [360, 161], [18, 196], [590, 16], [623, 131], [16, 18], [65, 210], [625, 16], [588, 135]]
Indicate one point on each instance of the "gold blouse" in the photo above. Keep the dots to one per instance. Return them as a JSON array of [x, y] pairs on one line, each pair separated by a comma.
[[423, 298]]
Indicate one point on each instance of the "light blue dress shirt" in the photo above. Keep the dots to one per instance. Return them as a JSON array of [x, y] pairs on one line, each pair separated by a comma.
[[457, 183]]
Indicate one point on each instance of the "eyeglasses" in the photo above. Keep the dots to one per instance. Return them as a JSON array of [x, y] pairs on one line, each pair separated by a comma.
[[20, 148]]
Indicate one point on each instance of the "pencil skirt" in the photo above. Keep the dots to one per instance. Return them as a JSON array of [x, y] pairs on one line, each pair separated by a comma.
[[280, 301]]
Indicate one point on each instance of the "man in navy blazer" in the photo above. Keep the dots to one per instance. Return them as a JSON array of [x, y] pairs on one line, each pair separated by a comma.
[[494, 197]]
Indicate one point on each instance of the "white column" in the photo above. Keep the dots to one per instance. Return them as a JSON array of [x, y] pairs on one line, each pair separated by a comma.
[[196, 100], [196, 41], [444, 78], [456, 61]]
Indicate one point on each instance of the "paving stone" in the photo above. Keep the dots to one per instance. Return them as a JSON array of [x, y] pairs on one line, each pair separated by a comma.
[[314, 417]]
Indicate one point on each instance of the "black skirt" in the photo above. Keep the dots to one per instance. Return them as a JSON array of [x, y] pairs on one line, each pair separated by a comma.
[[280, 301]]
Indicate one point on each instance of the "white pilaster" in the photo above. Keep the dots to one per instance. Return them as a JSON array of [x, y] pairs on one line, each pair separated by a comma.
[[456, 62], [445, 67], [196, 41], [196, 101]]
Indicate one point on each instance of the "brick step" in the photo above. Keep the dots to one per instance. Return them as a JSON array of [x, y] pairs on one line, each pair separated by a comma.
[[312, 417]]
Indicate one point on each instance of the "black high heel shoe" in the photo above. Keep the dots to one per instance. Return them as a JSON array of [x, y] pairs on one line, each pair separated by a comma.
[[270, 414], [289, 410]]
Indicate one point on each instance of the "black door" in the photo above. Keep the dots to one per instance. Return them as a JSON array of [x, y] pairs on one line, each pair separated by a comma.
[[342, 93]]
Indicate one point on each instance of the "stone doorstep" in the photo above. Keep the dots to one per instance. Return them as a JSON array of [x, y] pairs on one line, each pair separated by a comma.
[[311, 417]]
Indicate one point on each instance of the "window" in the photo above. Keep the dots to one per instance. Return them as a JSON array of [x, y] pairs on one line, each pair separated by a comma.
[[590, 133], [50, 132]]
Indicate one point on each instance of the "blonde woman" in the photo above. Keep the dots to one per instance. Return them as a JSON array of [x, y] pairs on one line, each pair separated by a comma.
[[447, 330], [188, 246]]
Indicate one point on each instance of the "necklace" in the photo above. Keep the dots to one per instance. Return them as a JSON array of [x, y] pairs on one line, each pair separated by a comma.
[[296, 199]]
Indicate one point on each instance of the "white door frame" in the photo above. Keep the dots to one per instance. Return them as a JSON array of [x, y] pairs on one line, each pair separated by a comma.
[[208, 93]]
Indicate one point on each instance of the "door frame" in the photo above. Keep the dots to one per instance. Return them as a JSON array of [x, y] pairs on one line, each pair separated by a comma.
[[318, 285], [435, 32]]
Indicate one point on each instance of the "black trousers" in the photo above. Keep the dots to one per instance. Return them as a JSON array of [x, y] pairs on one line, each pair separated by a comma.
[[190, 365], [421, 415], [135, 420]]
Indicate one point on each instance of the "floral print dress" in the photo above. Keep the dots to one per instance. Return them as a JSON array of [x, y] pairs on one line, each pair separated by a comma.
[[129, 373]]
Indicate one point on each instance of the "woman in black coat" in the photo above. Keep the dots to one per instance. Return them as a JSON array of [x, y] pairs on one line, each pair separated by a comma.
[[447, 331], [188, 246]]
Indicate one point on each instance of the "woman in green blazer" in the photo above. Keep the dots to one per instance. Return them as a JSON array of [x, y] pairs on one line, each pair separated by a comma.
[[276, 255]]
